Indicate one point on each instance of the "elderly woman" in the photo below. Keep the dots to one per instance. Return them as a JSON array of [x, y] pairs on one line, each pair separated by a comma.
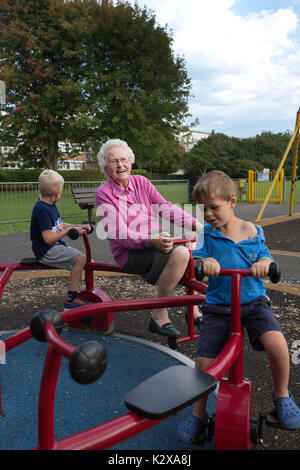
[[130, 205]]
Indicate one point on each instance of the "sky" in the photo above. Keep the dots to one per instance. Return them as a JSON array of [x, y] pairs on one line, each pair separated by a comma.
[[243, 58]]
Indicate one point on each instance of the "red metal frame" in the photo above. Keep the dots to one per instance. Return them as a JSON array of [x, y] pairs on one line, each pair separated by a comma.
[[234, 403], [112, 432]]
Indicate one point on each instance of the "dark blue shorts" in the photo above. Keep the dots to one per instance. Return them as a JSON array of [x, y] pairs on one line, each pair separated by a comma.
[[257, 318]]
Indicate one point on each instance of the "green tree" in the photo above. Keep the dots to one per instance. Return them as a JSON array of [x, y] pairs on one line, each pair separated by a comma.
[[236, 156], [268, 149], [200, 159], [89, 70], [41, 64]]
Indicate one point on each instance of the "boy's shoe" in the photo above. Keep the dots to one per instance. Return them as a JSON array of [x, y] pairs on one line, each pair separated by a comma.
[[191, 428], [288, 412], [197, 321], [75, 303]]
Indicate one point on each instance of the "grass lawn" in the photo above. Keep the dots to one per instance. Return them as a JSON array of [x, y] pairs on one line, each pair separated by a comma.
[[261, 189], [16, 206]]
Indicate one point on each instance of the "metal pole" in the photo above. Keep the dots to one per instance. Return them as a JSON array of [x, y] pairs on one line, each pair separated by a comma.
[[294, 171], [278, 170], [235, 374]]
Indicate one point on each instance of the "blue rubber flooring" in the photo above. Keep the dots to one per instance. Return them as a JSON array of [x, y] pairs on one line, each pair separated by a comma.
[[79, 407]]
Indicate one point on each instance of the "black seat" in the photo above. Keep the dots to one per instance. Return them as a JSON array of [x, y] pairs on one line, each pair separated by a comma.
[[169, 391]]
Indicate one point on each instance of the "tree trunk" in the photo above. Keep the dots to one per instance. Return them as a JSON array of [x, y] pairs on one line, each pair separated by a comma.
[[51, 156]]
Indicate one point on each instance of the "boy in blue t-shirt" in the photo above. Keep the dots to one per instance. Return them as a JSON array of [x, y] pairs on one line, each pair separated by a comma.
[[47, 231], [230, 242]]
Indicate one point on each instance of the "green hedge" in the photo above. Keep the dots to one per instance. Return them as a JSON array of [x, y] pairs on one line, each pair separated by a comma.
[[23, 176], [19, 176]]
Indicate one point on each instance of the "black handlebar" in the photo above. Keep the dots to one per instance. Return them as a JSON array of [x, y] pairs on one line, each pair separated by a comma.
[[274, 271], [73, 233], [87, 362]]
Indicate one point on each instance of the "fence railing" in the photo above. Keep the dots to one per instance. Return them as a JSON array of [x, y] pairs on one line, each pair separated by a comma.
[[243, 190], [17, 199]]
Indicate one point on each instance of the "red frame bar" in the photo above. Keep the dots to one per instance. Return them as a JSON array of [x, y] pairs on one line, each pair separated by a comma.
[[99, 437], [114, 431], [106, 435], [57, 347], [231, 357]]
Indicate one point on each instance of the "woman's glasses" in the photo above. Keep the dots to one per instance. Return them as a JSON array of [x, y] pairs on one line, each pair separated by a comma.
[[115, 162]]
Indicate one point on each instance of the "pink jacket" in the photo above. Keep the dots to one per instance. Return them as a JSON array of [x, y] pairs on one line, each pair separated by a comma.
[[129, 216]]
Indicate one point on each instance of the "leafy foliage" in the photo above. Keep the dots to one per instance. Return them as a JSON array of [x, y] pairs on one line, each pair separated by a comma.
[[89, 70], [236, 156]]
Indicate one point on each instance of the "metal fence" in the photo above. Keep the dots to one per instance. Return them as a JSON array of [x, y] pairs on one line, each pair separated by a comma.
[[17, 199], [243, 190]]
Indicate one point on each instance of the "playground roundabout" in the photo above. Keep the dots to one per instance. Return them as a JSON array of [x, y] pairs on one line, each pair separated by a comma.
[[26, 295]]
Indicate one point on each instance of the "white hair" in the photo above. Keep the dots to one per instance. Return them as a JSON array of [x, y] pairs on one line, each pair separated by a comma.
[[104, 151]]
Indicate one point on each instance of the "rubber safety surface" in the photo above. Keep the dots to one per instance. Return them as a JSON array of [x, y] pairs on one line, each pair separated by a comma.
[[79, 407]]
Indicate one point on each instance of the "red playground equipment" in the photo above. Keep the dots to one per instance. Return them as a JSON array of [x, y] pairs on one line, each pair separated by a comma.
[[232, 426]]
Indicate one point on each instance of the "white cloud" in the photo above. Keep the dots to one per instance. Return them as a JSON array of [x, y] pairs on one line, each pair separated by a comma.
[[238, 64]]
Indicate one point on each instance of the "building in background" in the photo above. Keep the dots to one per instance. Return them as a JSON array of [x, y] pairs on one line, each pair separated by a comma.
[[83, 160], [86, 160], [189, 139]]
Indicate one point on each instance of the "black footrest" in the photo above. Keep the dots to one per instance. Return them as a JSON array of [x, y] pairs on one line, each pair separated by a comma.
[[28, 261], [169, 391]]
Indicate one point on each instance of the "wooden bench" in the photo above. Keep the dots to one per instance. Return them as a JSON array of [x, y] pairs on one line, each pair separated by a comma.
[[85, 198]]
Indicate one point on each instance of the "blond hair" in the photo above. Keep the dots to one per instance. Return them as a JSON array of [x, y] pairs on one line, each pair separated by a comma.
[[215, 184], [49, 182]]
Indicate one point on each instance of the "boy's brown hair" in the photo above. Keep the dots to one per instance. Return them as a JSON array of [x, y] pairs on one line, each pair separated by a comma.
[[215, 184]]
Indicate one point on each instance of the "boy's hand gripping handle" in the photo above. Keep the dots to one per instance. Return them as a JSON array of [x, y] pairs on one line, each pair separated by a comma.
[[73, 233], [274, 271]]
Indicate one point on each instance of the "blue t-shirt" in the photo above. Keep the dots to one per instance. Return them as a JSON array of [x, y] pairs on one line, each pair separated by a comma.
[[231, 255], [44, 217]]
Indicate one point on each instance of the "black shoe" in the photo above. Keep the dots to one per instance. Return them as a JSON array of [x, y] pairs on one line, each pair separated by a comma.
[[167, 329], [197, 321]]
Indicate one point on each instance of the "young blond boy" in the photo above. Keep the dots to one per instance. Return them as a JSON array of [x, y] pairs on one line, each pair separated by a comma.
[[230, 242], [47, 231]]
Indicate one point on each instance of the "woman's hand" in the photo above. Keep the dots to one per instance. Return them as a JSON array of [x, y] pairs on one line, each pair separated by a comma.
[[164, 242]]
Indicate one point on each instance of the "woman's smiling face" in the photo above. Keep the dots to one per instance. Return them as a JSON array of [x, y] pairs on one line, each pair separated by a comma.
[[118, 166]]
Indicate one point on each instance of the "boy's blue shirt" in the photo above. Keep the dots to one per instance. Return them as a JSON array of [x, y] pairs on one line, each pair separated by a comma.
[[44, 217], [231, 255]]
